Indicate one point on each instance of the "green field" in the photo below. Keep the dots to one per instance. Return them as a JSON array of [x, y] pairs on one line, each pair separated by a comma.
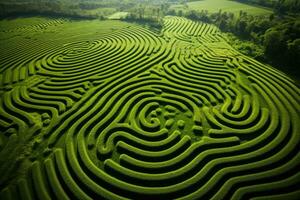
[[100, 11], [94, 109], [118, 15], [213, 6]]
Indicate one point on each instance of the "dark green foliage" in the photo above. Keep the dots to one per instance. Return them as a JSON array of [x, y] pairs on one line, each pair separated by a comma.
[[81, 8], [195, 15], [246, 47], [273, 39], [282, 44], [47, 8], [152, 23], [285, 6], [111, 110]]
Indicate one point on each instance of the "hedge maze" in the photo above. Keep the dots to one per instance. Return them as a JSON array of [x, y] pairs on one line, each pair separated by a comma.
[[133, 114]]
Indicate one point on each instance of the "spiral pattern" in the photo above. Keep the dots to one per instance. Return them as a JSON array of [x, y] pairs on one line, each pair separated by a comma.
[[136, 115]]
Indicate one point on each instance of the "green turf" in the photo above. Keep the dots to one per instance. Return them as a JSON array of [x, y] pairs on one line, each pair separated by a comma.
[[103, 11], [118, 15], [111, 110], [213, 6]]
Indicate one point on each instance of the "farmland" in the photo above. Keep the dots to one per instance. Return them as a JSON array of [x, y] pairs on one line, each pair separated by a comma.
[[213, 6], [109, 110]]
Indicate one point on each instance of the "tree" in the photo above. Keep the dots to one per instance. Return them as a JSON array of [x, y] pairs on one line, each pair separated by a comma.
[[293, 54], [180, 13], [274, 44]]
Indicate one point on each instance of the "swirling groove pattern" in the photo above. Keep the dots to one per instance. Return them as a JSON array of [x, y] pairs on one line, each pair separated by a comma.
[[135, 115]]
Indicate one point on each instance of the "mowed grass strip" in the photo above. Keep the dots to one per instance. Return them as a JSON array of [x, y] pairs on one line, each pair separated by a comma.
[[156, 117]]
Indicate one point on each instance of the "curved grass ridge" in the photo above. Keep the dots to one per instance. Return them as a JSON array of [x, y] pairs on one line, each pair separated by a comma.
[[133, 115]]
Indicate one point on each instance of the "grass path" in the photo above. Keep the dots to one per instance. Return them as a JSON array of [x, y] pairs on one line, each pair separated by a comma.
[[111, 110]]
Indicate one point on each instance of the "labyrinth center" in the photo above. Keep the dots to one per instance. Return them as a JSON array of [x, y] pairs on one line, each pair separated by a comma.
[[134, 114]]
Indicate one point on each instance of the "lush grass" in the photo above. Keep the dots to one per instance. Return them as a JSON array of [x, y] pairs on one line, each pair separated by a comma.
[[111, 110], [7, 24], [100, 11], [118, 15], [213, 6]]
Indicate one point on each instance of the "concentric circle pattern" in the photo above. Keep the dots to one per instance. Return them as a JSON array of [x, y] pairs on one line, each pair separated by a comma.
[[136, 115]]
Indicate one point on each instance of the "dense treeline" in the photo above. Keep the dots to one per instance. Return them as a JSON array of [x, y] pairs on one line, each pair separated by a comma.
[[75, 8], [282, 44], [286, 6], [148, 14], [49, 8], [274, 39]]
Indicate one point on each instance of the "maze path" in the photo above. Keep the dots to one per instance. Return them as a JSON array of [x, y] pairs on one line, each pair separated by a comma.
[[34, 27], [132, 115]]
